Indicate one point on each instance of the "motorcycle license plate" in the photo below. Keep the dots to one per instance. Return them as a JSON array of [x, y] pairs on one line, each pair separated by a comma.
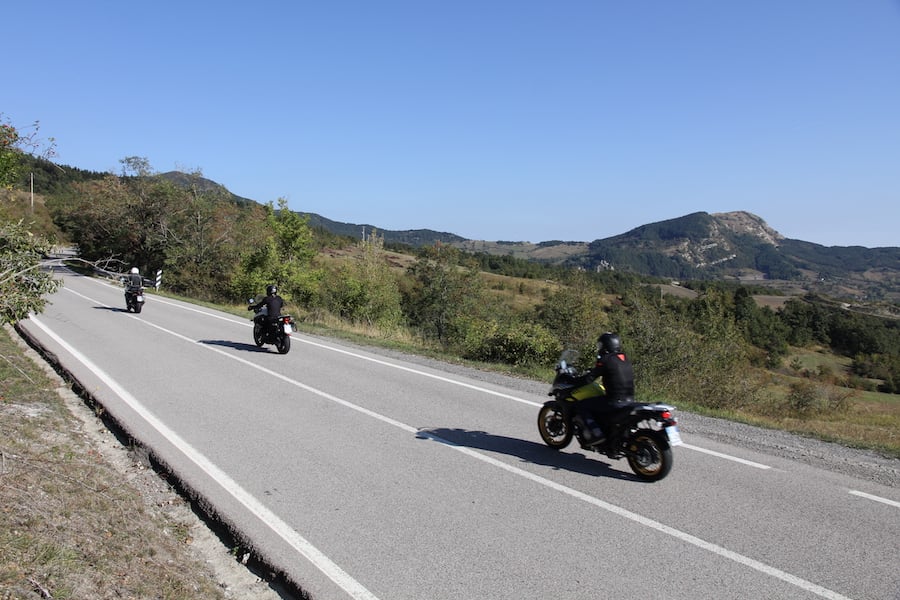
[[287, 328], [674, 436], [140, 298]]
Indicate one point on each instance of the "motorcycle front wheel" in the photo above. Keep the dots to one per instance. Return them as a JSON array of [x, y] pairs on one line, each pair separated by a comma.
[[649, 456], [555, 429], [258, 335]]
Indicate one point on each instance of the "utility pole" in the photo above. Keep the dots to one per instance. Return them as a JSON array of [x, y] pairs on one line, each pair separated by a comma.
[[32, 192]]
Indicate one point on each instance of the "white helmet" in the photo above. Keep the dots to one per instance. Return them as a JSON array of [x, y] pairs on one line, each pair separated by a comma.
[[134, 270]]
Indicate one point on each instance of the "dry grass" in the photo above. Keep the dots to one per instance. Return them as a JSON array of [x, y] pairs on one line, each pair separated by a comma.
[[70, 525]]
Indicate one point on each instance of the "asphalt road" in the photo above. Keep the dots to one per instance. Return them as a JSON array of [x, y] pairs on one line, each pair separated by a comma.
[[366, 474]]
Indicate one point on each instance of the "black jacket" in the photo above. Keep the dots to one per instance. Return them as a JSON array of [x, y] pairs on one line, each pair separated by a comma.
[[134, 280], [616, 374], [273, 303]]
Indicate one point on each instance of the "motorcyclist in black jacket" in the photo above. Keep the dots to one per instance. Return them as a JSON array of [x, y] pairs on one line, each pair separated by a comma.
[[617, 376], [273, 304], [133, 280]]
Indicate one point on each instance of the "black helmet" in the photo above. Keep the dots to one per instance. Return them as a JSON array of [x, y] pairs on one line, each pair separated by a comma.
[[271, 290], [609, 343]]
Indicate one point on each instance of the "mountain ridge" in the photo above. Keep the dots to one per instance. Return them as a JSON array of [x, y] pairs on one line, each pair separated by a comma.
[[736, 245]]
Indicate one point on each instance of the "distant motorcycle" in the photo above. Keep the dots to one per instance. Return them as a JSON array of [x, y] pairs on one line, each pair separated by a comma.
[[272, 331], [642, 433], [134, 298]]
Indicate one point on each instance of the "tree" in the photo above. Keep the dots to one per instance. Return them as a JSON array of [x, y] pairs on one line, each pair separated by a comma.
[[14, 145], [22, 282], [443, 293], [366, 291], [283, 257], [202, 239], [575, 313]]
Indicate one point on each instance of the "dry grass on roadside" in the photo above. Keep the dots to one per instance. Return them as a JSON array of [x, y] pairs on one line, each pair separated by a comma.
[[70, 526]]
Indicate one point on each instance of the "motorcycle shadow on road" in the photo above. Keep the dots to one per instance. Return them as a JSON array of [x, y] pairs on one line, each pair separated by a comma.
[[236, 345], [112, 309], [526, 451]]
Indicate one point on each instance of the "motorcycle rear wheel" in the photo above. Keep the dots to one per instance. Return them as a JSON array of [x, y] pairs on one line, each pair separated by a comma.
[[137, 307], [284, 344], [649, 456], [555, 430]]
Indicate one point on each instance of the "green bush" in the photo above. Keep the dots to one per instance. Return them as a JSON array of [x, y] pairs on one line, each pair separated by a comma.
[[518, 343], [807, 397]]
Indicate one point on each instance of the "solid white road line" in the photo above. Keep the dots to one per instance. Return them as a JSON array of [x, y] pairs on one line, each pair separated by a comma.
[[272, 521], [876, 498], [749, 463]]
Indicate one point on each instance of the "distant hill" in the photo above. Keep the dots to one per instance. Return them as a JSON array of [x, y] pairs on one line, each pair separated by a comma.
[[412, 237], [737, 245], [204, 185]]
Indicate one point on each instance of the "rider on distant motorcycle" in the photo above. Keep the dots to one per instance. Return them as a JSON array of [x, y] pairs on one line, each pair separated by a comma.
[[133, 279], [617, 376], [273, 304]]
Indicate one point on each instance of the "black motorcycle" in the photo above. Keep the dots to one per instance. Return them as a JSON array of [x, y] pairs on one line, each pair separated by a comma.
[[134, 299], [642, 433], [272, 331]]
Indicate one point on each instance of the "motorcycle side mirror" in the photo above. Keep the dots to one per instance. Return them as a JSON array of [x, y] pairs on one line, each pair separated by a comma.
[[250, 301]]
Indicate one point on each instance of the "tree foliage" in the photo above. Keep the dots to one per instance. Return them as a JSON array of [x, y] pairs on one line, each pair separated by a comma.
[[442, 293], [281, 255], [365, 291], [23, 284], [15, 145], [575, 312]]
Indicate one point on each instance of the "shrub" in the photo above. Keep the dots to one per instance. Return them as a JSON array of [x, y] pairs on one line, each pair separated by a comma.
[[518, 343]]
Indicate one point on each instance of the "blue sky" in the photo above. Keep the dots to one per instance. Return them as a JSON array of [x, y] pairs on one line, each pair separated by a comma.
[[518, 120]]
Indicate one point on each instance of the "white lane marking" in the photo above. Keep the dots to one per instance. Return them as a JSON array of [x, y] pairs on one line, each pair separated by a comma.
[[876, 498], [447, 380], [422, 373], [749, 463], [282, 529], [160, 300], [612, 508]]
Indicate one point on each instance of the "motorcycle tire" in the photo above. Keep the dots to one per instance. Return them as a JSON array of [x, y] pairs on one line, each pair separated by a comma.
[[258, 335], [137, 307], [649, 455], [284, 344], [555, 429]]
